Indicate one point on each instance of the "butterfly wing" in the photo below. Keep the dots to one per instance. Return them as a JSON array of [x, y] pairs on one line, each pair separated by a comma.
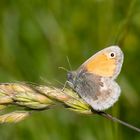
[[95, 82], [105, 63], [99, 92]]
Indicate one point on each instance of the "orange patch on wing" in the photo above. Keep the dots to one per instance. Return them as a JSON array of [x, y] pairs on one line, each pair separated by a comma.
[[101, 65]]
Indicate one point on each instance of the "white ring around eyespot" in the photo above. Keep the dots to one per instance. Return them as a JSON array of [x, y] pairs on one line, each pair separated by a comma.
[[113, 54]]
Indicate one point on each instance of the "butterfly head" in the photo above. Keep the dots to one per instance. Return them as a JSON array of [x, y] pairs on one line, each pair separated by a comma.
[[71, 77]]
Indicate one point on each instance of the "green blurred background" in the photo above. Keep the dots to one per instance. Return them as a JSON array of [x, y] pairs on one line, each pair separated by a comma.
[[36, 36]]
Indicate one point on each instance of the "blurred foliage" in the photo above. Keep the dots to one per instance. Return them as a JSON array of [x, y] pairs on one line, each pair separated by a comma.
[[36, 36]]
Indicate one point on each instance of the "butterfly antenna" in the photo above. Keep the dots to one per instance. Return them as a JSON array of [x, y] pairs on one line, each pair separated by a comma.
[[114, 119], [64, 69], [68, 64], [68, 60]]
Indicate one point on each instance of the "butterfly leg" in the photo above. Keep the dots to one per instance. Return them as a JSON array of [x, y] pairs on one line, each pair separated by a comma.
[[65, 84]]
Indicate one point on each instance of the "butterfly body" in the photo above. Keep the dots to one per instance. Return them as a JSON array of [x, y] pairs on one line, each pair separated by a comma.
[[94, 80]]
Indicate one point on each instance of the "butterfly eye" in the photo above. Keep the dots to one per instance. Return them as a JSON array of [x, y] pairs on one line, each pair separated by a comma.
[[112, 55]]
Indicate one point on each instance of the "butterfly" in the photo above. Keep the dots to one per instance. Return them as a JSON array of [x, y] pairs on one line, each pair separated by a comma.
[[94, 80]]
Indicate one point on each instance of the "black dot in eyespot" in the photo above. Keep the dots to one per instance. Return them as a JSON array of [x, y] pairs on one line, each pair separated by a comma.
[[112, 54]]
